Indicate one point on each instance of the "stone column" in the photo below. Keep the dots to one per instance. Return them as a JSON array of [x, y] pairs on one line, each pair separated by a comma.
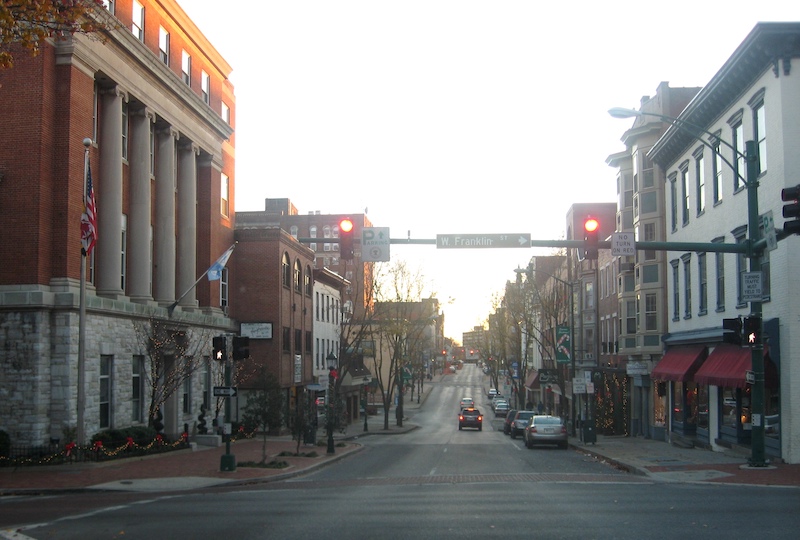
[[187, 222], [164, 231], [139, 250], [108, 260]]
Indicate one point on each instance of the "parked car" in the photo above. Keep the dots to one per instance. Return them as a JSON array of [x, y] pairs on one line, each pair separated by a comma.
[[492, 392], [497, 398], [501, 409], [466, 402], [470, 417], [507, 422], [519, 423], [544, 429]]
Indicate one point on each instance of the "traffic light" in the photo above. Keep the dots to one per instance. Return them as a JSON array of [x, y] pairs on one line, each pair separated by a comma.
[[218, 346], [752, 330], [590, 229], [732, 331], [241, 347], [346, 228], [792, 210]]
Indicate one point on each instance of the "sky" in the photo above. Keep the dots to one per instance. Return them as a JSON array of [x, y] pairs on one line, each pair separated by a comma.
[[454, 116]]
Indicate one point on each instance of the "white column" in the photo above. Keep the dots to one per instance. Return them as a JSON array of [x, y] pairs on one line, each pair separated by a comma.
[[139, 258], [109, 196], [187, 223], [164, 230]]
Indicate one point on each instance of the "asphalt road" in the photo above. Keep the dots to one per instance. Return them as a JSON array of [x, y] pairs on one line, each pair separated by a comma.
[[439, 482]]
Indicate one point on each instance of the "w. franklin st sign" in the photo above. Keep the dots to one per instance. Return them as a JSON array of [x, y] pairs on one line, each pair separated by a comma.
[[482, 241]]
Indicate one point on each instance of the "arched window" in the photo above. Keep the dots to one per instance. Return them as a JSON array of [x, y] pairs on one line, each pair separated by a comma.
[[298, 274], [307, 278], [286, 271]]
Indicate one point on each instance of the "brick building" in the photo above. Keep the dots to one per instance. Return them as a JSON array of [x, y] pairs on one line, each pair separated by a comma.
[[153, 96]]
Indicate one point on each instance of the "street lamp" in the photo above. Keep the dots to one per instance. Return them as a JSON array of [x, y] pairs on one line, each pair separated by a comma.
[[750, 156], [332, 364]]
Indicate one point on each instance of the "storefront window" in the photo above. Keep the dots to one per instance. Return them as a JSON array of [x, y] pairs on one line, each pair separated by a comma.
[[772, 416], [660, 404], [702, 407], [677, 403], [691, 404], [729, 407]]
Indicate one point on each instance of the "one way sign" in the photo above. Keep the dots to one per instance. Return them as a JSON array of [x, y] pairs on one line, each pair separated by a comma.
[[224, 391]]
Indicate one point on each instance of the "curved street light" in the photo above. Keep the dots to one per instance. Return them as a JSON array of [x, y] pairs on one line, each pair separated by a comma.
[[750, 156]]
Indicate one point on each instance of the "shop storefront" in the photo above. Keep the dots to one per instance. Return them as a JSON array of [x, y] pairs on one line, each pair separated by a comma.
[[675, 388]]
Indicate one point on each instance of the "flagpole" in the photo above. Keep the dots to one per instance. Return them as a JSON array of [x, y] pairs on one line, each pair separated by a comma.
[[173, 305], [81, 428]]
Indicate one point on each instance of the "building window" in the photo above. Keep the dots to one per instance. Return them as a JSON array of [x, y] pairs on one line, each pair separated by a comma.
[[223, 288], [717, 170], [137, 24], [186, 395], [287, 339], [702, 278], [298, 277], [673, 196], [309, 286], [286, 271], [205, 87], [309, 342], [316, 305], [685, 193], [760, 130], [293, 230], [224, 194], [94, 112], [720, 275], [137, 389], [676, 295], [124, 130], [766, 282], [186, 67], [298, 341], [651, 312], [205, 381], [737, 141], [649, 236], [630, 317], [687, 285], [106, 391], [226, 113], [163, 44], [109, 5], [588, 295], [700, 181], [649, 202]]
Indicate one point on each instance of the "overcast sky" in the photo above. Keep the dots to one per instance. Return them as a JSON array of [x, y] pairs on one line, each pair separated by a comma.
[[454, 116]]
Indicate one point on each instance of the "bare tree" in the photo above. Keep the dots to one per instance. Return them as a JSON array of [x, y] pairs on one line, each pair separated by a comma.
[[174, 354], [263, 410]]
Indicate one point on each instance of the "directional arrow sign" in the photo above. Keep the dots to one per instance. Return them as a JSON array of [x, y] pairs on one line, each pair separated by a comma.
[[482, 241], [224, 391]]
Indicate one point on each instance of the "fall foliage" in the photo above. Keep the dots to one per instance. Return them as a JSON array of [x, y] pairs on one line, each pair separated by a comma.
[[27, 23]]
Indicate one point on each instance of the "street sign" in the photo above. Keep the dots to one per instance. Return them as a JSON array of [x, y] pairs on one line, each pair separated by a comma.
[[768, 223], [482, 241], [224, 391], [375, 244], [751, 287], [623, 244], [578, 386], [749, 377]]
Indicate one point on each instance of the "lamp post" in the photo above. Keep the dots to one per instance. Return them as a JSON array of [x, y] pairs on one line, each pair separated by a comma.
[[332, 364], [750, 156]]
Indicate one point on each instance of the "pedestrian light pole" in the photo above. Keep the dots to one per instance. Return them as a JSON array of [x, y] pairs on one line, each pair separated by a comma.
[[750, 157], [329, 399]]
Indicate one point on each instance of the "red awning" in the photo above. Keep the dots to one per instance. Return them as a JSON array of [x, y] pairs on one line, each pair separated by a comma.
[[727, 364], [680, 363]]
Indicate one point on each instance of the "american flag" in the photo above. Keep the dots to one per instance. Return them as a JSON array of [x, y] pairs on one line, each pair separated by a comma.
[[89, 216]]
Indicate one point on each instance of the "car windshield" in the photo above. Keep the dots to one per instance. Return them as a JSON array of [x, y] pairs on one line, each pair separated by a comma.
[[524, 415], [549, 420]]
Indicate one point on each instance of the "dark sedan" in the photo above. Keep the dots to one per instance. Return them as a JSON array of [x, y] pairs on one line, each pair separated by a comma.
[[470, 417]]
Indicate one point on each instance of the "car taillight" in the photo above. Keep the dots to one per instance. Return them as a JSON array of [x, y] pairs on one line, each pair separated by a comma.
[[480, 418], [460, 416], [533, 430], [563, 429]]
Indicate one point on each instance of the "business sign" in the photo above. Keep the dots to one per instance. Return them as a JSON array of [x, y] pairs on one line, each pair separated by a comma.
[[375, 244], [482, 241], [257, 330], [563, 345]]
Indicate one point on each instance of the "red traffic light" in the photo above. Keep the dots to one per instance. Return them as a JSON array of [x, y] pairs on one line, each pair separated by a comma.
[[591, 225], [346, 225]]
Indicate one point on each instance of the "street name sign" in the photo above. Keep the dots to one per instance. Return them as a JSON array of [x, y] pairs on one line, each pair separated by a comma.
[[224, 391], [375, 244], [483, 241]]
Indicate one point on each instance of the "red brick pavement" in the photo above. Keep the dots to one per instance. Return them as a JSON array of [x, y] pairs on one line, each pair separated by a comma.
[[204, 462]]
